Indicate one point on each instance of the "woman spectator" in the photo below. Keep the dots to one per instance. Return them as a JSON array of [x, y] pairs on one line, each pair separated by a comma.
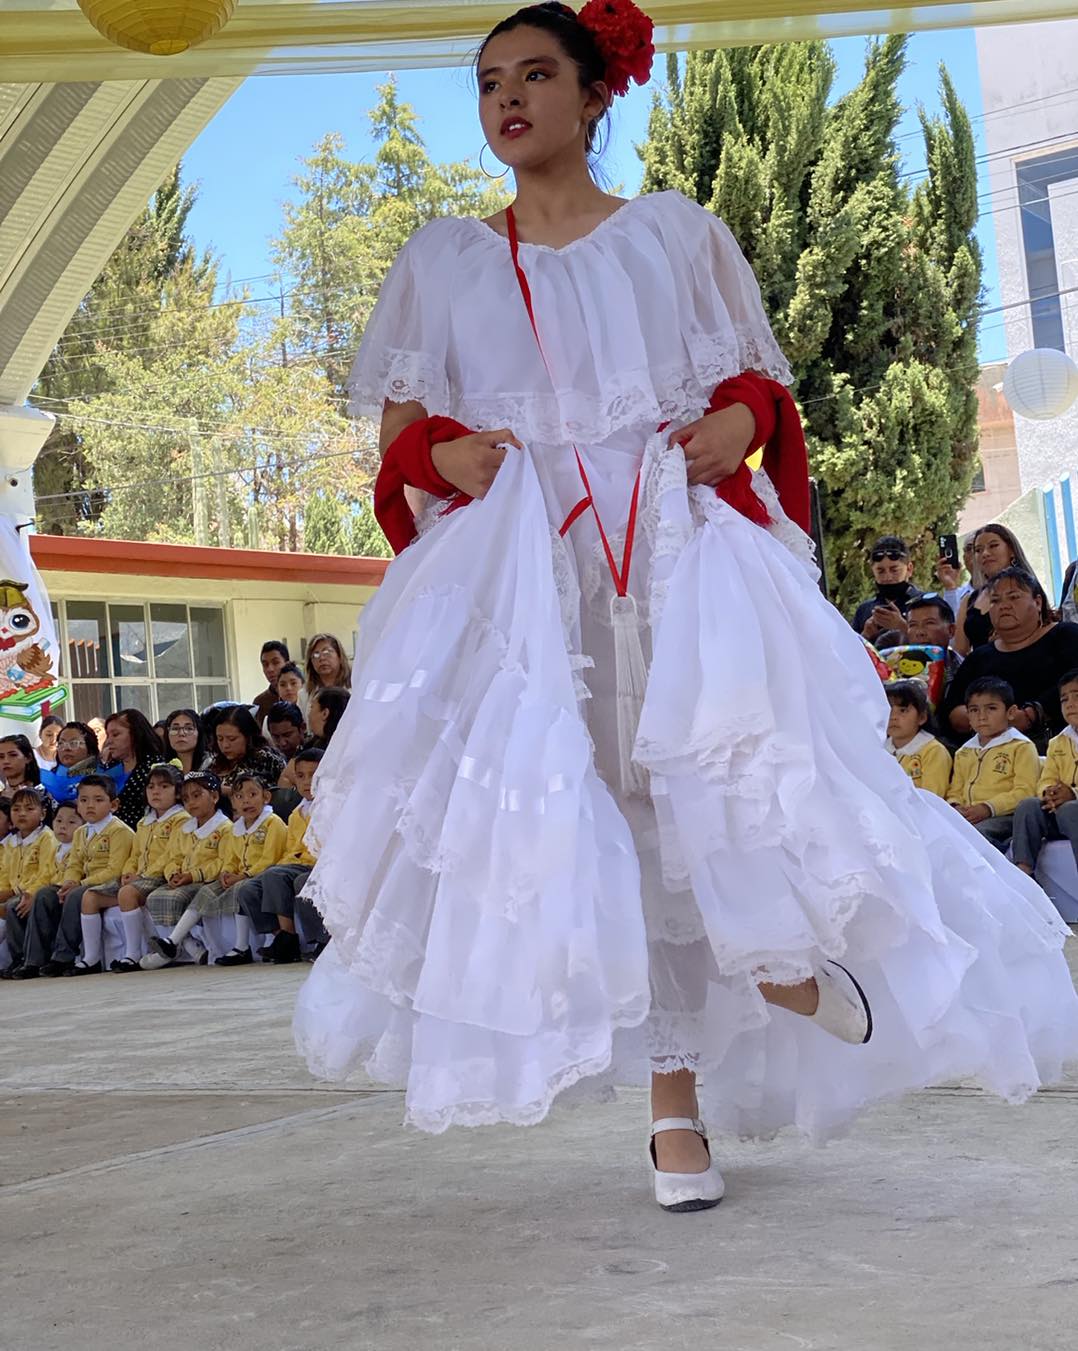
[[1031, 650], [18, 764], [326, 711], [130, 741], [47, 733], [994, 549], [242, 746], [185, 739], [77, 753], [327, 666]]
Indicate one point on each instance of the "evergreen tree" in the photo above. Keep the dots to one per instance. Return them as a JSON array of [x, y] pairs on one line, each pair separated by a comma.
[[118, 315], [351, 220], [324, 526], [366, 539], [872, 290]]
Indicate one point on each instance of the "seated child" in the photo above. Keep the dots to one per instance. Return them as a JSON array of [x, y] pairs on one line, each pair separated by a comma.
[[26, 865], [258, 841], [144, 869], [926, 760], [65, 822], [271, 899], [96, 859], [997, 767], [192, 865], [1053, 813]]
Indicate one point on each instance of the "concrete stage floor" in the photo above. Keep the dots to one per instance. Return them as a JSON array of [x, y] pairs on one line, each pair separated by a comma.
[[172, 1178]]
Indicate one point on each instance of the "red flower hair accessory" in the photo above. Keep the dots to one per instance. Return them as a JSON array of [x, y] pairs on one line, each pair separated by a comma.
[[623, 34]]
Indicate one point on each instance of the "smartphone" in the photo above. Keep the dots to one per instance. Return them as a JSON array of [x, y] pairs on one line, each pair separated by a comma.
[[949, 550]]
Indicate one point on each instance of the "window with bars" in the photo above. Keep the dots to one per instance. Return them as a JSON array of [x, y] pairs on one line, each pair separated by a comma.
[[152, 656]]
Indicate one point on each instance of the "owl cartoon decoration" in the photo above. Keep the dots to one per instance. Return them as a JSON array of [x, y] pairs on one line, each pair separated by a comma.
[[23, 663]]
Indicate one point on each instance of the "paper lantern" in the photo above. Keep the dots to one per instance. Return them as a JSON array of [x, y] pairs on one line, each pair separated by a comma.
[[1041, 384], [160, 27]]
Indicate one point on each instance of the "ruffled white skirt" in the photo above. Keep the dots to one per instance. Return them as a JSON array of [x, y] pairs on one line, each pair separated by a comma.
[[506, 926]]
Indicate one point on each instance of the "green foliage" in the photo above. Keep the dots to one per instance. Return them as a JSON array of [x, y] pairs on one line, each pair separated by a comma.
[[872, 289], [195, 418]]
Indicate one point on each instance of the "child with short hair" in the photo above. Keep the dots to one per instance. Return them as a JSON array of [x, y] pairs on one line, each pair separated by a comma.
[[997, 767], [925, 759], [192, 863], [27, 865], [96, 859], [1053, 813], [270, 899], [37, 941], [144, 869]]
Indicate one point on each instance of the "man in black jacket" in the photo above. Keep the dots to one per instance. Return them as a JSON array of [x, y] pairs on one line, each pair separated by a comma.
[[892, 570]]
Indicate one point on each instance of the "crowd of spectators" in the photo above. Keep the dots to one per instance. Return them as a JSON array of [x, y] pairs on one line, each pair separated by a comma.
[[202, 816], [997, 735]]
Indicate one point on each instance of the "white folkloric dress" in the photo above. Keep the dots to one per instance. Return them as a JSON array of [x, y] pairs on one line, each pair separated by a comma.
[[506, 923]]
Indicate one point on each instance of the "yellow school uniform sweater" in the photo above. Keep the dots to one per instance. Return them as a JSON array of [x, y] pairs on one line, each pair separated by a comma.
[[1061, 765], [196, 849], [99, 857], [295, 848], [150, 845], [998, 775], [250, 851], [29, 863], [6, 845], [927, 762]]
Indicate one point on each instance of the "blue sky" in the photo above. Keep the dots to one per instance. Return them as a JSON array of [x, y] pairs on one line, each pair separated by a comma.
[[245, 159]]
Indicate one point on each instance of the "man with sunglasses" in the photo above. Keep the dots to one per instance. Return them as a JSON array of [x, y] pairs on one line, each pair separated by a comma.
[[892, 570]]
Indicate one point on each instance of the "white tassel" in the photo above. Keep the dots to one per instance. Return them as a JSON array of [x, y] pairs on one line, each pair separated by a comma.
[[631, 678]]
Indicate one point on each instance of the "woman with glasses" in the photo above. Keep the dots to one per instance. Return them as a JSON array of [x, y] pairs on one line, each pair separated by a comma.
[[185, 740], [327, 666], [994, 549]]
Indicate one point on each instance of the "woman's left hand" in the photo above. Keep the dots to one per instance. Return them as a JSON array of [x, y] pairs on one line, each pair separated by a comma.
[[716, 445]]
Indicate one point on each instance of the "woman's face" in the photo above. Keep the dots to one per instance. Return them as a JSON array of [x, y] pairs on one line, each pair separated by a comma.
[[289, 687], [182, 735], [1015, 612], [992, 552], [71, 747], [531, 106], [326, 663], [316, 717], [118, 743], [12, 764], [48, 740], [231, 742]]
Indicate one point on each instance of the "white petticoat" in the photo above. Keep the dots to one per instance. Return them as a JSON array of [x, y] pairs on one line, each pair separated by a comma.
[[504, 927]]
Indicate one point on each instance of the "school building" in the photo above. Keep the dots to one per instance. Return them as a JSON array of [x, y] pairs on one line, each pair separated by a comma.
[[163, 626]]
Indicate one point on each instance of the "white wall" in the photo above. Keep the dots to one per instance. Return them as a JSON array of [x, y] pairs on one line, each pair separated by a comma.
[[1028, 86]]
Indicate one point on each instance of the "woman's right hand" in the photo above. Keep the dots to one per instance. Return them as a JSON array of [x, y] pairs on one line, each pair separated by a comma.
[[949, 576], [471, 462]]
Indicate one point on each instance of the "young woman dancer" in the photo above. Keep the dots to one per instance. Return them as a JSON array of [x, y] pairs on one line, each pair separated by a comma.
[[589, 817]]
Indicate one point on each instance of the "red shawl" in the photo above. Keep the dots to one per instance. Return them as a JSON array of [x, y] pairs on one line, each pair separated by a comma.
[[778, 430]]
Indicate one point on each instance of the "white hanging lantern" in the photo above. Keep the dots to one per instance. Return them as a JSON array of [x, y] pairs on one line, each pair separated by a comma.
[[1041, 384]]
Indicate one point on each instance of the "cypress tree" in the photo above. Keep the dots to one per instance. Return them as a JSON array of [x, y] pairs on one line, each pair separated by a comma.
[[872, 288]]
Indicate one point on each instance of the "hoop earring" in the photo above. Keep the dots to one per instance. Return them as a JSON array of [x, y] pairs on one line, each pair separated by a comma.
[[484, 172]]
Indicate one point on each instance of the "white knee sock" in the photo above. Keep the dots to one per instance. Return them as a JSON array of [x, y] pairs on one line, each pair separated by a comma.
[[132, 922], [243, 933], [185, 924], [91, 939]]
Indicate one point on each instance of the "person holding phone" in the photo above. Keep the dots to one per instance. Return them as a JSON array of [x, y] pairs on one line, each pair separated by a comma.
[[892, 570]]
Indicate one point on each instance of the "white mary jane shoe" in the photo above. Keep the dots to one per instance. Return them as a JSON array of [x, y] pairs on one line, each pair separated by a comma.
[[683, 1192], [843, 1009]]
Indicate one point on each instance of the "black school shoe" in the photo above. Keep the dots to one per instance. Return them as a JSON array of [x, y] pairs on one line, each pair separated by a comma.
[[9, 971], [55, 968], [25, 973], [284, 949], [234, 958], [80, 969]]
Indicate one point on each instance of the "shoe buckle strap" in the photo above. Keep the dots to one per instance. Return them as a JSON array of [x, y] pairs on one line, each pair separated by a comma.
[[679, 1123]]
